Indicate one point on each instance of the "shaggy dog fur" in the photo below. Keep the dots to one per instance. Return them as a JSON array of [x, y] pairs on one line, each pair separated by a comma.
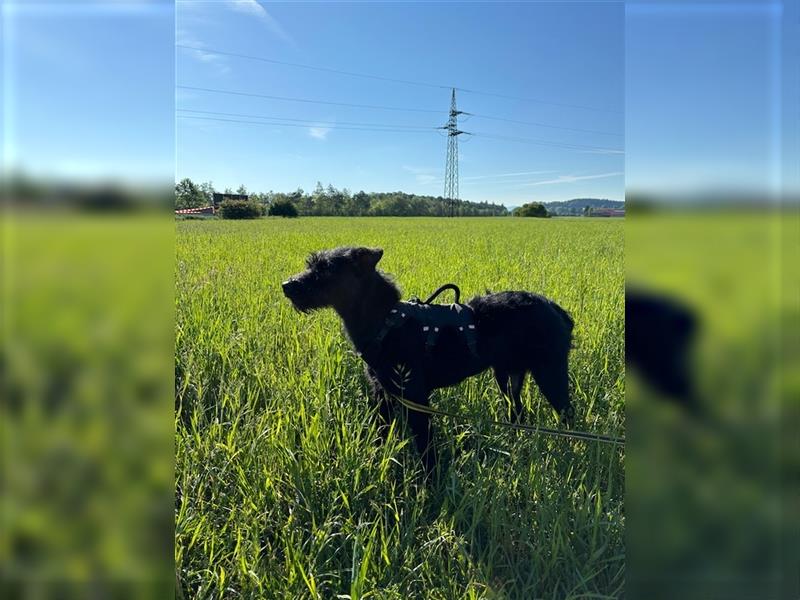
[[517, 333], [659, 334]]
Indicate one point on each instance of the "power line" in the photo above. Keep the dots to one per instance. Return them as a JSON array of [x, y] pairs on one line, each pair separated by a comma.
[[394, 80], [385, 130], [565, 145], [538, 124], [521, 99], [390, 108], [312, 68], [399, 129], [315, 122], [307, 100]]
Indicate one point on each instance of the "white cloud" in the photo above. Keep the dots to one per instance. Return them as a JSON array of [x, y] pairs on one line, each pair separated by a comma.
[[603, 151], [431, 176], [498, 175], [425, 175], [320, 133], [218, 61], [573, 178], [256, 9]]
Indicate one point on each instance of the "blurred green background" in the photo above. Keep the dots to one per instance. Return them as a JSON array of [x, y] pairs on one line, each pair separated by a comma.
[[87, 453], [711, 497]]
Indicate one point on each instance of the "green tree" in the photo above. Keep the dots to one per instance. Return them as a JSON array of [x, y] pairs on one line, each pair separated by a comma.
[[207, 188], [188, 194], [532, 209], [240, 209], [359, 204], [282, 208]]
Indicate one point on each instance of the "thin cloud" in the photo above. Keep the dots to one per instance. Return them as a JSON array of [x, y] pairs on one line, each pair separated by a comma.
[[319, 133], [424, 175], [256, 9], [572, 178], [217, 61], [498, 175], [603, 151]]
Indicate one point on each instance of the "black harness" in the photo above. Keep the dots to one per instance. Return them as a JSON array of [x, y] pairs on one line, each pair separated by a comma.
[[432, 319]]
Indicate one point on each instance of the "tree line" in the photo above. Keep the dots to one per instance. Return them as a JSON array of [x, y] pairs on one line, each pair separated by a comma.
[[330, 201]]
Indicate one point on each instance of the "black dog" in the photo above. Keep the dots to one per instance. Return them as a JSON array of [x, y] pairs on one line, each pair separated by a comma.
[[659, 335], [413, 348]]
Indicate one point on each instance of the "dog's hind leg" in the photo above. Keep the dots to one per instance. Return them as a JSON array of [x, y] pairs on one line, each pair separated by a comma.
[[511, 385], [552, 377]]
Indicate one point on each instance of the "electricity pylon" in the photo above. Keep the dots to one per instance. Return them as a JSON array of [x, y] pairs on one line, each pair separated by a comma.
[[451, 169]]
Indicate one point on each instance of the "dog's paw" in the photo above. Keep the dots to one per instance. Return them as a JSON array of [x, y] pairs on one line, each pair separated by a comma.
[[568, 416]]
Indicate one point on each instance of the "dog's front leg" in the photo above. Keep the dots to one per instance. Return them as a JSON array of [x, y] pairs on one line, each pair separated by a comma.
[[382, 398], [420, 424], [409, 383]]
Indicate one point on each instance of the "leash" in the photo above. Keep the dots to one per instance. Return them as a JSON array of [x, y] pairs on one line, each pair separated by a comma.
[[579, 435]]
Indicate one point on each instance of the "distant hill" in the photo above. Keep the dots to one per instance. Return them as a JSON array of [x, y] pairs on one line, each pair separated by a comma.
[[576, 205]]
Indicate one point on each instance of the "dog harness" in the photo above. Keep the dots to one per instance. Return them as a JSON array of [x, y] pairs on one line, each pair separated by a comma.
[[432, 319]]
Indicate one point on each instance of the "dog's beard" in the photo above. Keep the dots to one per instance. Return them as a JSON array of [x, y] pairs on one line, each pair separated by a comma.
[[303, 307]]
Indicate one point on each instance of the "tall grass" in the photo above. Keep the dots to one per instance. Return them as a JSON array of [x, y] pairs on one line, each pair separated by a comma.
[[282, 491]]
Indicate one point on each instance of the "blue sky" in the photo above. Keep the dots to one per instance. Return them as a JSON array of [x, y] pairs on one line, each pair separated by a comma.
[[558, 53], [705, 99], [89, 92], [88, 89]]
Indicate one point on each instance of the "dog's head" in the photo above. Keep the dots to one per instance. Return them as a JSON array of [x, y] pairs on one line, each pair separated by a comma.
[[333, 278]]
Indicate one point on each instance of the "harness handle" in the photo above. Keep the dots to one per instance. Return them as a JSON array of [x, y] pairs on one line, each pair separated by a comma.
[[446, 286]]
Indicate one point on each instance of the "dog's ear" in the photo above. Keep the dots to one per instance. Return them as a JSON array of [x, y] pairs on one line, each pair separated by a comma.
[[368, 257]]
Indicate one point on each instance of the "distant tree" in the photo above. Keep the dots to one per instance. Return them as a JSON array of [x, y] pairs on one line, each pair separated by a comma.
[[587, 211], [337, 199], [327, 200], [188, 194], [282, 208], [532, 209], [242, 190], [240, 209], [359, 204], [207, 188]]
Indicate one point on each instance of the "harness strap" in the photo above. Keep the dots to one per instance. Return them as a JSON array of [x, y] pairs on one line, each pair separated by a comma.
[[430, 326], [396, 316], [430, 339]]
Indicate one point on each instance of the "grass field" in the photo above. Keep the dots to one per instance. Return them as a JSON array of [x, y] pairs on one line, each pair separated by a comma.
[[281, 491]]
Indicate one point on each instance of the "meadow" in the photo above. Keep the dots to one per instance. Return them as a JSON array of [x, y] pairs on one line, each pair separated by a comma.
[[281, 490]]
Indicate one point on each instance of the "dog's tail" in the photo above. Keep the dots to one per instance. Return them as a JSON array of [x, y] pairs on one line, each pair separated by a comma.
[[565, 316]]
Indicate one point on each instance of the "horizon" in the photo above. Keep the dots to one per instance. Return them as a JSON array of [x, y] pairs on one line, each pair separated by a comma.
[[250, 192]]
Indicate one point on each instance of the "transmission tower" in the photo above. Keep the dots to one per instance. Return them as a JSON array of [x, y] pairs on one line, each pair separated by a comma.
[[451, 170]]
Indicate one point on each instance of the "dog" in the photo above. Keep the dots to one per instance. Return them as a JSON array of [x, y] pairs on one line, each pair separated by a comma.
[[410, 349], [660, 332]]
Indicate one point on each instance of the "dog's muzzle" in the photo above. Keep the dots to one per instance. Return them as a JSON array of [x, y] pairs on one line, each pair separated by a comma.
[[296, 293], [290, 287]]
